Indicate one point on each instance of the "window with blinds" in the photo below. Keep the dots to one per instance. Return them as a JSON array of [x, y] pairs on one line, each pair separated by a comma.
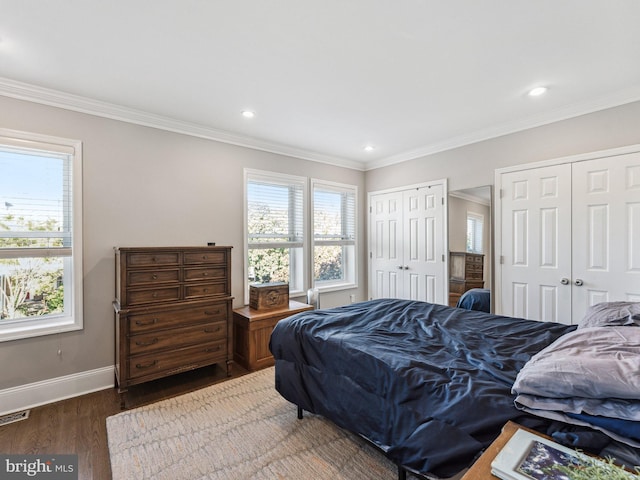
[[275, 228], [475, 233], [334, 234], [40, 253]]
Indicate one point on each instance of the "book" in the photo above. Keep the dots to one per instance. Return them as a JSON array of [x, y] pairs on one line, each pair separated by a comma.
[[527, 456]]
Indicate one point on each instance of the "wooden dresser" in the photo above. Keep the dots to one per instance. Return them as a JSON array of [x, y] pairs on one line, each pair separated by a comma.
[[173, 311], [466, 271]]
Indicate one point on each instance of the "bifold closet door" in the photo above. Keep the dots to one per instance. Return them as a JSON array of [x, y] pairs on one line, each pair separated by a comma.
[[536, 244], [407, 244], [570, 237], [386, 246], [424, 250], [606, 231]]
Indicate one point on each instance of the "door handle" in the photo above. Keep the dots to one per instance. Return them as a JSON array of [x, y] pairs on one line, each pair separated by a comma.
[[579, 282], [564, 281]]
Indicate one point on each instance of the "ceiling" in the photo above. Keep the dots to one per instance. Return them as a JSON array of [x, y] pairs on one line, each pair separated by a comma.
[[325, 77]]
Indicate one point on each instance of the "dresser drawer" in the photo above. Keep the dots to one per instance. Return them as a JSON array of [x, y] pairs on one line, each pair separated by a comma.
[[204, 256], [200, 290], [152, 277], [210, 313], [153, 295], [204, 273], [177, 337], [148, 259], [177, 360]]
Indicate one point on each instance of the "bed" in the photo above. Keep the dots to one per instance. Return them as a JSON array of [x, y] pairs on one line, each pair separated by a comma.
[[475, 299], [430, 385]]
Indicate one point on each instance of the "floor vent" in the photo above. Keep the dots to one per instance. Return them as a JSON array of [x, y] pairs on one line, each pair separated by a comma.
[[13, 417]]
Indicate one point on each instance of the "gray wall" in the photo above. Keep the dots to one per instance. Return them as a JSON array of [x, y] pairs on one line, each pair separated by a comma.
[[147, 187], [473, 165]]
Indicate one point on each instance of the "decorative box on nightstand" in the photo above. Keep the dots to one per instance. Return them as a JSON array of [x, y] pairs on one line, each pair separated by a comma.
[[252, 332]]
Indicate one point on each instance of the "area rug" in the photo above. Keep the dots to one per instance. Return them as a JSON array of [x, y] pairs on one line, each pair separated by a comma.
[[238, 429]]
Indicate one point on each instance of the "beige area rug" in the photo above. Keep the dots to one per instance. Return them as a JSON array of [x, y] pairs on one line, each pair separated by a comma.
[[239, 429]]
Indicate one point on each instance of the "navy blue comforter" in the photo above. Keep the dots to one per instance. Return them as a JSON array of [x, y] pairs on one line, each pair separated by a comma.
[[428, 384]]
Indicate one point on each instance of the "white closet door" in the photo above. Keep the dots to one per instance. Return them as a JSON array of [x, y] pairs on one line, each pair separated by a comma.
[[424, 244], [606, 231], [536, 244], [386, 245], [407, 244]]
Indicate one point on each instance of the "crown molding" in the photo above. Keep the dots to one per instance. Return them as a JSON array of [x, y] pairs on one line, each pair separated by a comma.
[[77, 103], [67, 101], [470, 198], [622, 97]]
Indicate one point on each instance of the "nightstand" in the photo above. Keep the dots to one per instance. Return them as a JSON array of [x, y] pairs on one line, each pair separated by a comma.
[[252, 332], [481, 469]]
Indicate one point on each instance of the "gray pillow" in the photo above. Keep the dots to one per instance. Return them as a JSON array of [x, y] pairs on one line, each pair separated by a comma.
[[612, 314]]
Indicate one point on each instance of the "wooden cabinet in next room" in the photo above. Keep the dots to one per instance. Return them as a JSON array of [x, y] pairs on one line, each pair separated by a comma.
[[466, 271]]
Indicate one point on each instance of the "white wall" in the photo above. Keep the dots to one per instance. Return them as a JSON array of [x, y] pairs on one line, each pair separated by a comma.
[[146, 187]]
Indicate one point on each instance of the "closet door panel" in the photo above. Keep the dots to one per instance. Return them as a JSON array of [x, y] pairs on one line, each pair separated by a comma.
[[606, 231], [424, 247], [536, 244], [386, 245]]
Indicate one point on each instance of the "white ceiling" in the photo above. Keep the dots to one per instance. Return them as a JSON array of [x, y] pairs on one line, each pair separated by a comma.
[[325, 77]]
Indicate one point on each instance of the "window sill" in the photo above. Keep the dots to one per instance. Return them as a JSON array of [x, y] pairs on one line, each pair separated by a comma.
[[20, 330], [336, 287]]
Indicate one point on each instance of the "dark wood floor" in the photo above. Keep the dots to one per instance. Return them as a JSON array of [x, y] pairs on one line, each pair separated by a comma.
[[77, 425]]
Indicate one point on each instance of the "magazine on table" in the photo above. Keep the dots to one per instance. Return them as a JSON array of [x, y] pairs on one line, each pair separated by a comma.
[[527, 456]]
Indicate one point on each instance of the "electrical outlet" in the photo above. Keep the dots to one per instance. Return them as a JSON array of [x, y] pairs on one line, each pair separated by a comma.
[[352, 298]]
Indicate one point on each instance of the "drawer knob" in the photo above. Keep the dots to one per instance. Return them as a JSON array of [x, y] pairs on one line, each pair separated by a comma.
[[209, 312], [204, 257], [153, 259], [148, 365], [212, 330], [154, 276], [155, 294], [204, 274], [205, 290], [146, 344], [141, 324], [213, 349]]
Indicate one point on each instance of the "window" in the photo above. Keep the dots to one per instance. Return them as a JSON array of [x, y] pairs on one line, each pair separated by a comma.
[[289, 240], [474, 232], [334, 234], [40, 235], [275, 225]]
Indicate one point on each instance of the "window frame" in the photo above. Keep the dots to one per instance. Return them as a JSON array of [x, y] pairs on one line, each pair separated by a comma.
[[72, 319], [476, 218], [299, 264], [350, 262]]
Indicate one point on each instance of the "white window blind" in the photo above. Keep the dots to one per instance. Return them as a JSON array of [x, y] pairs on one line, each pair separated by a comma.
[[275, 206], [334, 234], [475, 233], [40, 235]]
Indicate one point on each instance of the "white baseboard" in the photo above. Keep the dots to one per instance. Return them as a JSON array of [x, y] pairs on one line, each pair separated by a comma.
[[55, 389]]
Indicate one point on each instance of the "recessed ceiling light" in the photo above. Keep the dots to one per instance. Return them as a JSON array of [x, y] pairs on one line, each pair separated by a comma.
[[248, 114], [535, 92], [369, 148]]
